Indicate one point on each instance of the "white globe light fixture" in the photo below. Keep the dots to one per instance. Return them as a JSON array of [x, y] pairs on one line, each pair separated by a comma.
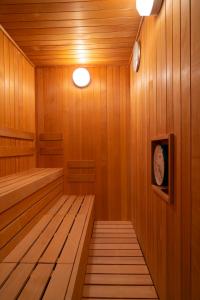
[[81, 77], [148, 7]]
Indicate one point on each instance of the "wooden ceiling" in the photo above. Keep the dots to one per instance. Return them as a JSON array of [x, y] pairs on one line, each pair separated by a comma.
[[73, 31]]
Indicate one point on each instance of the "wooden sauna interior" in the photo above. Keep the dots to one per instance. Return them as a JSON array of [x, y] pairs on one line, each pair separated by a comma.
[[79, 218]]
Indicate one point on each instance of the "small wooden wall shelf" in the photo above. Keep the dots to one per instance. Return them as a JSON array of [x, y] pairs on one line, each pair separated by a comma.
[[166, 191]]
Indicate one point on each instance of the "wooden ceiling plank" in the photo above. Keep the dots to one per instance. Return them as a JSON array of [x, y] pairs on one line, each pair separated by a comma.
[[86, 46], [67, 30], [62, 6], [72, 51], [129, 21], [77, 42], [73, 36], [78, 15]]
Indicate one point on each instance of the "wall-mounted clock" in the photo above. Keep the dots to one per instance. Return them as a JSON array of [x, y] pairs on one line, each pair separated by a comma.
[[160, 165], [136, 56]]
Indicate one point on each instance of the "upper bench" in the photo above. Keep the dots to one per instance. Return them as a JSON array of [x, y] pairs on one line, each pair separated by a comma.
[[24, 197]]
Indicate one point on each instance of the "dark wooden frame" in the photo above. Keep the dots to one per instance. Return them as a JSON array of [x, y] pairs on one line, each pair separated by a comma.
[[167, 194]]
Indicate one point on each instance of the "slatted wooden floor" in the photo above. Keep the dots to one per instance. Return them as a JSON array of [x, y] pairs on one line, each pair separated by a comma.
[[116, 268]]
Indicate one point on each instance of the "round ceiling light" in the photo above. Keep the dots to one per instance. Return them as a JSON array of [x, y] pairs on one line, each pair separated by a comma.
[[81, 77], [148, 7]]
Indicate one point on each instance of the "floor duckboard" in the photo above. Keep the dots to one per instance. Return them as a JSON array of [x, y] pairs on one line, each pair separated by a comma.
[[116, 267]]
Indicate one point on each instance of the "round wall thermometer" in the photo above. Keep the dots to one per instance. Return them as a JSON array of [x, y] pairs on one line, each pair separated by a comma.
[[136, 56], [160, 165]]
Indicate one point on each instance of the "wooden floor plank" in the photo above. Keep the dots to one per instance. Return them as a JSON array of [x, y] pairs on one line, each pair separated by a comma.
[[117, 226], [114, 246], [118, 279], [113, 230], [112, 222], [113, 241], [95, 260], [103, 291], [36, 284], [117, 269], [115, 253], [113, 235], [15, 283]]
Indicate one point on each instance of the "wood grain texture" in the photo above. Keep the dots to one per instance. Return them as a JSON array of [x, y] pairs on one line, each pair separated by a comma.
[[18, 134], [17, 108], [93, 28], [31, 198], [94, 124], [160, 104], [110, 275], [61, 235], [195, 153]]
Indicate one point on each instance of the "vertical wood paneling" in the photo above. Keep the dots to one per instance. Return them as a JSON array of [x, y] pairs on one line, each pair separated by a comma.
[[195, 139], [17, 102], [160, 104], [94, 123]]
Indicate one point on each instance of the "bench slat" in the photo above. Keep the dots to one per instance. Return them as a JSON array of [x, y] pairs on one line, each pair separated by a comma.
[[16, 282], [5, 270], [66, 228], [17, 177], [52, 252], [74, 290], [7, 233], [10, 198], [9, 215], [42, 242], [21, 181], [19, 251], [59, 282], [37, 282], [69, 250]]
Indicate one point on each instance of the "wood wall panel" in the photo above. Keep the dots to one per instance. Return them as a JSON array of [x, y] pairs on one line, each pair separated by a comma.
[[195, 138], [94, 124], [17, 103], [161, 104]]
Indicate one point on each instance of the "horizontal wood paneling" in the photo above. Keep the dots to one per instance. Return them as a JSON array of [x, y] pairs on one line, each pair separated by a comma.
[[17, 109], [94, 125], [87, 25], [160, 104]]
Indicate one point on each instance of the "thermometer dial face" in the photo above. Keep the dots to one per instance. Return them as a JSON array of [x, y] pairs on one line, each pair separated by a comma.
[[160, 165]]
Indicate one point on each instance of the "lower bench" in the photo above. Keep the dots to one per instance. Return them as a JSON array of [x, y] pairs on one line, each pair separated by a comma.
[[50, 261], [24, 198]]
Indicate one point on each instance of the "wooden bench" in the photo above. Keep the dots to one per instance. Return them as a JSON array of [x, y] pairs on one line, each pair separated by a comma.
[[50, 261], [24, 198]]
